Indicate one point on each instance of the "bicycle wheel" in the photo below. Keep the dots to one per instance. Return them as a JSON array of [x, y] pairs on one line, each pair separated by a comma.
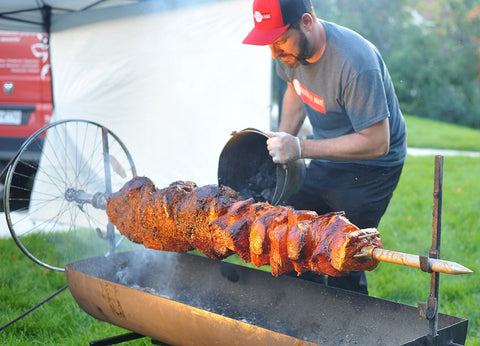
[[55, 201]]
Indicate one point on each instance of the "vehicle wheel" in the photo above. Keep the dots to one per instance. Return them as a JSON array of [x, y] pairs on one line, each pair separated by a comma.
[[55, 208]]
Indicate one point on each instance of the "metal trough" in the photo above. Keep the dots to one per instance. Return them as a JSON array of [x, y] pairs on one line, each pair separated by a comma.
[[184, 299]]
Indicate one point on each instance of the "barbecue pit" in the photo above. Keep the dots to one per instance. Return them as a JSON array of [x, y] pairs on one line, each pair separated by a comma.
[[185, 299]]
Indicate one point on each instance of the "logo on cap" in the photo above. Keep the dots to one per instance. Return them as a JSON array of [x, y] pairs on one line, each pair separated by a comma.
[[259, 16]]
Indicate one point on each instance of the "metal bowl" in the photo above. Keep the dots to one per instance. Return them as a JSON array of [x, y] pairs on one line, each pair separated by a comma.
[[246, 166]]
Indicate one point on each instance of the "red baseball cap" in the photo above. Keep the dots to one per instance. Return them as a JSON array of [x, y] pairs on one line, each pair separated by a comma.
[[273, 17]]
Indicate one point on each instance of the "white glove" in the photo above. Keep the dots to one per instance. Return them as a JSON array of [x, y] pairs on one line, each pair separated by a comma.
[[283, 147]]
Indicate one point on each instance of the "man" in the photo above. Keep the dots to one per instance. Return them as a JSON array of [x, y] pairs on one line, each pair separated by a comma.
[[339, 80]]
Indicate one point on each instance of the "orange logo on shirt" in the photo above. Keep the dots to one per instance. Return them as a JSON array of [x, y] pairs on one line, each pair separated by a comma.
[[314, 101]]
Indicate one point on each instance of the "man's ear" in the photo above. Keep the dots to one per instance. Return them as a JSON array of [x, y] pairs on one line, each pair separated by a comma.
[[307, 22]]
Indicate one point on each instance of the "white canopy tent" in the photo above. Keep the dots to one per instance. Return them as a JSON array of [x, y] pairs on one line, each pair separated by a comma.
[[171, 78]]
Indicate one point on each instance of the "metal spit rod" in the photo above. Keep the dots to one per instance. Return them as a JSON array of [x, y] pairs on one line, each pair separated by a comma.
[[409, 260]]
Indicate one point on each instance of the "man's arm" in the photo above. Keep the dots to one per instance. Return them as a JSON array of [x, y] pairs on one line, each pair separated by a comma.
[[368, 144], [293, 113]]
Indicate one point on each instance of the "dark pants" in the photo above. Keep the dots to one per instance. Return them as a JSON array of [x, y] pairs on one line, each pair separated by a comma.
[[361, 191]]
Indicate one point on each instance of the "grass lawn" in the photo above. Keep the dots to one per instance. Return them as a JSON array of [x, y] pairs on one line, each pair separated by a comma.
[[427, 133], [406, 227], [407, 224]]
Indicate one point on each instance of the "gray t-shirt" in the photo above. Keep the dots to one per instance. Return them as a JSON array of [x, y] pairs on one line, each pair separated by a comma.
[[349, 89]]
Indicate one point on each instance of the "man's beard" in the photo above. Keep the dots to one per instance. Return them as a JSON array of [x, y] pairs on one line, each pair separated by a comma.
[[305, 52], [306, 49]]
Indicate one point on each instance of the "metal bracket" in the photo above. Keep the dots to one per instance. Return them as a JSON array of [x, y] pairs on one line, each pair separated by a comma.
[[428, 310], [425, 264]]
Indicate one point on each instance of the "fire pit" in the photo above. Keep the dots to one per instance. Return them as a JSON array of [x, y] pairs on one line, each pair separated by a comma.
[[187, 299], [184, 299]]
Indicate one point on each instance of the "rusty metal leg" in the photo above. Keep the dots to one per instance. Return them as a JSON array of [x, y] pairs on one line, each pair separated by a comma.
[[116, 339], [430, 310]]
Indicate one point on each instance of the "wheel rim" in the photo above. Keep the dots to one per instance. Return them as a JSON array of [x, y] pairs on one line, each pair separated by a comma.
[[59, 217]]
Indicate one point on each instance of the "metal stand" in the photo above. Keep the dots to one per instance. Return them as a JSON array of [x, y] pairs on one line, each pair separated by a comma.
[[116, 339], [430, 309], [33, 308], [123, 338]]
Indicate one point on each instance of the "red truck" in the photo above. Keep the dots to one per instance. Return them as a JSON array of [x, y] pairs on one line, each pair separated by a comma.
[[26, 91]]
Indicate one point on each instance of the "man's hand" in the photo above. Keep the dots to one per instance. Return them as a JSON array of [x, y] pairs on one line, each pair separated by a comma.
[[283, 147]]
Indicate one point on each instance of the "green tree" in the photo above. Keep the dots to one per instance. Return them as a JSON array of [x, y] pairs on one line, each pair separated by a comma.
[[431, 48]]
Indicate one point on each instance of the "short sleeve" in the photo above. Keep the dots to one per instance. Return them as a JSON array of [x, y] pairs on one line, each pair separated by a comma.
[[365, 99]]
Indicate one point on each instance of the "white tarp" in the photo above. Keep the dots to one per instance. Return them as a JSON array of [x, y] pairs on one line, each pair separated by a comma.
[[171, 79], [172, 84]]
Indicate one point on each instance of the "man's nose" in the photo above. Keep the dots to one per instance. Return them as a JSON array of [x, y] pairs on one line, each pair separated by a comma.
[[275, 51]]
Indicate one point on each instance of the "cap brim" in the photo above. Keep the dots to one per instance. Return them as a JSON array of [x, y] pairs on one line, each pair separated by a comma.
[[260, 37]]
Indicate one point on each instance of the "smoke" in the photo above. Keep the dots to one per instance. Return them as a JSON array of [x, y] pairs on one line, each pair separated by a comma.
[[147, 270]]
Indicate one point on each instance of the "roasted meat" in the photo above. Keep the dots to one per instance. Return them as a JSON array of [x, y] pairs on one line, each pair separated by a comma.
[[217, 221]]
